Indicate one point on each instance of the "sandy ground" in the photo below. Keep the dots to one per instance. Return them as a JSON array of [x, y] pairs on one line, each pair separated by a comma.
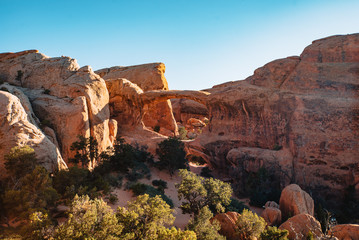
[[181, 219]]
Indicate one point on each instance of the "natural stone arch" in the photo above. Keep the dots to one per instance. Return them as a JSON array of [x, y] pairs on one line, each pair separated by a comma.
[[163, 95]]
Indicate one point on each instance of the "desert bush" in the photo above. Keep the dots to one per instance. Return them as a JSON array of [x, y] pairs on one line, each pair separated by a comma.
[[203, 227], [89, 219], [123, 157], [160, 184], [249, 225], [236, 206], [171, 155], [199, 192], [182, 133], [145, 218], [86, 151], [157, 128], [140, 189], [20, 161], [273, 233]]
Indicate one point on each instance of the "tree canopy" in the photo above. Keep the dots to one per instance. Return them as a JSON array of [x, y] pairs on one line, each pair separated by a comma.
[[199, 192]]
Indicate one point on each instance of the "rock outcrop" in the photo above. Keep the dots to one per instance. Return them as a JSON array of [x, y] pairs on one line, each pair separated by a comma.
[[148, 77], [272, 215], [345, 231], [73, 100], [184, 109], [301, 114], [294, 201], [300, 225], [228, 224], [17, 128]]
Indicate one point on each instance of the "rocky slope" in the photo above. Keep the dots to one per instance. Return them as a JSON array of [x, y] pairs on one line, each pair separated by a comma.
[[297, 117]]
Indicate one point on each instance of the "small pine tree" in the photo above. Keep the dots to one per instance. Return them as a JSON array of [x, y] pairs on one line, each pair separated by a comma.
[[202, 226], [86, 151], [249, 225], [171, 155]]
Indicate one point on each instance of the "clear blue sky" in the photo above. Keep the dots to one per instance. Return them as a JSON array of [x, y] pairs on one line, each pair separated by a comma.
[[202, 43]]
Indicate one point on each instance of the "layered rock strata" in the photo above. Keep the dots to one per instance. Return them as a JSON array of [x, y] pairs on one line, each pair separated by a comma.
[[72, 100], [18, 128], [148, 77], [297, 116]]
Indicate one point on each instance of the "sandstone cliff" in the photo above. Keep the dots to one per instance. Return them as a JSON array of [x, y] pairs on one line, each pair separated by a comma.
[[148, 77], [298, 117], [18, 128], [72, 100]]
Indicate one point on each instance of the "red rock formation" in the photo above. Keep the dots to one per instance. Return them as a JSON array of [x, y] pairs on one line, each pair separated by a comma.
[[75, 100], [272, 215], [228, 224], [294, 201], [184, 109], [17, 128], [345, 231], [300, 225], [298, 115], [147, 77]]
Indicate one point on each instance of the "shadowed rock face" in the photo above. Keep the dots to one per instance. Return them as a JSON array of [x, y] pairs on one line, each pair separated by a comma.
[[298, 116]]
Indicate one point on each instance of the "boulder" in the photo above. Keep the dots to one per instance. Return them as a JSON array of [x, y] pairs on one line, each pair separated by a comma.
[[300, 225], [272, 215], [294, 201], [271, 204], [345, 231], [228, 224], [147, 77], [64, 82], [17, 130]]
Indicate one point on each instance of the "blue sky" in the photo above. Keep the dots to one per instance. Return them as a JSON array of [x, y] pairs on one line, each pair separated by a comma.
[[202, 43]]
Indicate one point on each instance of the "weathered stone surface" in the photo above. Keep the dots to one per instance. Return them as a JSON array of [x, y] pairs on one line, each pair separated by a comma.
[[147, 77], [125, 104], [184, 109], [271, 204], [68, 118], [63, 79], [345, 231], [294, 201], [300, 225], [194, 122], [273, 216], [306, 107], [228, 224], [17, 130]]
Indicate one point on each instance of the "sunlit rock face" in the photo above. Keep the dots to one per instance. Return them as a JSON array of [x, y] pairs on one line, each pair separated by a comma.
[[18, 128], [148, 77], [298, 117], [72, 100]]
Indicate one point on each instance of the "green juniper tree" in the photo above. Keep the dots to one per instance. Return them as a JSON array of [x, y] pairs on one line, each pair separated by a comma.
[[199, 192]]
